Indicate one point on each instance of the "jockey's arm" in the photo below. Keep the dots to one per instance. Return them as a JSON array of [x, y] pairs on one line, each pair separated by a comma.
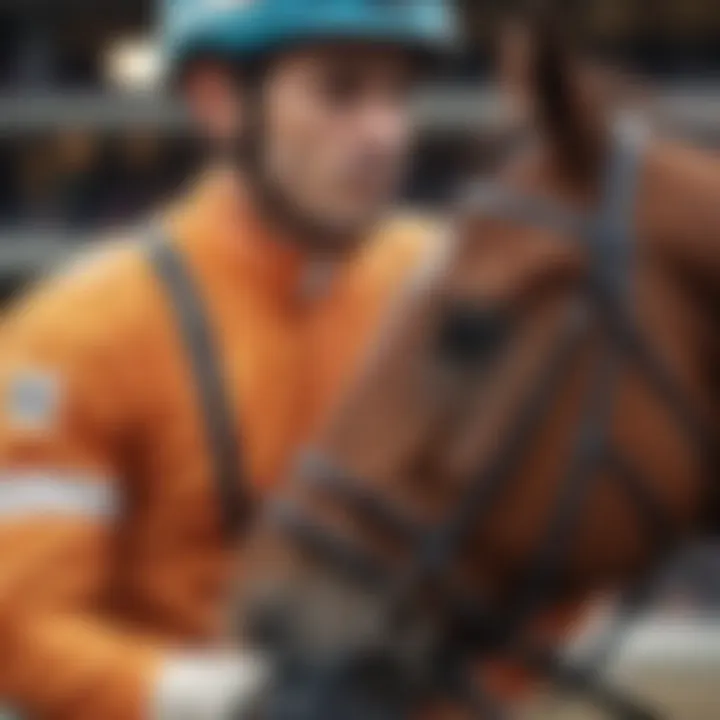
[[63, 418], [60, 499]]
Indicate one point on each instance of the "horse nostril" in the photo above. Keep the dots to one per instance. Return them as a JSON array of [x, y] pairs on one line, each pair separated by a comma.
[[472, 334]]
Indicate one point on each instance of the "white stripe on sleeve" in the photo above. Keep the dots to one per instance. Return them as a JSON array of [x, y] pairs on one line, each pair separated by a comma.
[[31, 493]]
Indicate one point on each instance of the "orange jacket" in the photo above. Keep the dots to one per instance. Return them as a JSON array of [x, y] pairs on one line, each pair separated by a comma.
[[111, 551]]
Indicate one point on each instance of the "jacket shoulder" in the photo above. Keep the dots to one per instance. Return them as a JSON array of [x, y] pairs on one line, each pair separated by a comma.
[[95, 297]]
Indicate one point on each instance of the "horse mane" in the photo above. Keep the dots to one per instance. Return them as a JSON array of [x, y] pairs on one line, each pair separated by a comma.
[[570, 118]]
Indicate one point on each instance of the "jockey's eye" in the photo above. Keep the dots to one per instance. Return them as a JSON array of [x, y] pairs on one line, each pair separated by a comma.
[[343, 86], [472, 334], [348, 85]]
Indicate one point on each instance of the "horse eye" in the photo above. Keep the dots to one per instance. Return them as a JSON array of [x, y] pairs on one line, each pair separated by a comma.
[[472, 334]]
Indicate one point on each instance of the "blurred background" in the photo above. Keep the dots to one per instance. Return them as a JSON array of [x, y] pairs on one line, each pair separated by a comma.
[[88, 141]]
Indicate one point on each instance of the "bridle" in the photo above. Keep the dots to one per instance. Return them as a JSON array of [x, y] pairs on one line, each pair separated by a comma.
[[478, 629]]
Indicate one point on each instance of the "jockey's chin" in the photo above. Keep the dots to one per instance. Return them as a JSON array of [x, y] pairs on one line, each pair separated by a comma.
[[337, 218]]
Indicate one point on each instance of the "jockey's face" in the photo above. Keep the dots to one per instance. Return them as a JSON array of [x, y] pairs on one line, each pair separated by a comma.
[[338, 132], [330, 130]]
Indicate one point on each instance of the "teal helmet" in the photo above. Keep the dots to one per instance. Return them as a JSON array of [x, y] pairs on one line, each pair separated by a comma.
[[248, 29]]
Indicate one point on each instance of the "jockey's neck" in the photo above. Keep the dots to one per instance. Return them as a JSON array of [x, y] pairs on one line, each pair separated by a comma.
[[319, 260]]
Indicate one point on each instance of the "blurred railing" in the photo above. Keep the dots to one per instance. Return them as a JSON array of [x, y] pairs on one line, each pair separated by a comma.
[[26, 253], [462, 111], [456, 107]]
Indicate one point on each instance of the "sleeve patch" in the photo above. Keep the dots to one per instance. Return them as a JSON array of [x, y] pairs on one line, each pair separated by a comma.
[[32, 400]]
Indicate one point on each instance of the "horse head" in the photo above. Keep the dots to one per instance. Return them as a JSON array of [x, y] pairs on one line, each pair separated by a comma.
[[536, 422]]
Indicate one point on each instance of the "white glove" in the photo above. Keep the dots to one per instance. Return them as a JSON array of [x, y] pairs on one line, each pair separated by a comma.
[[210, 686]]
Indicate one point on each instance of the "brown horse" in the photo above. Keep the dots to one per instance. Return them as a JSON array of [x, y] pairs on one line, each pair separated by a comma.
[[537, 422]]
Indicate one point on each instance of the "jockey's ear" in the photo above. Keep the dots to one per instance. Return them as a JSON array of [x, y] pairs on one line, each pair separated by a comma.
[[214, 100]]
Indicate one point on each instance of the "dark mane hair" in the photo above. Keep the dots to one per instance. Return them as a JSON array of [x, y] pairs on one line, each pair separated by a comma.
[[568, 118]]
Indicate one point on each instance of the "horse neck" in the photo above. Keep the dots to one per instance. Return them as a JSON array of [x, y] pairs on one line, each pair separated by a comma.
[[679, 212]]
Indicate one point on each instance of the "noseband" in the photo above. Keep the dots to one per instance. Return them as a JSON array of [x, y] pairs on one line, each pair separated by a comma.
[[478, 630]]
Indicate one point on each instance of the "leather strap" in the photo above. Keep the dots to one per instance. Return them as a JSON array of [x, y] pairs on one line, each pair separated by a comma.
[[223, 439]]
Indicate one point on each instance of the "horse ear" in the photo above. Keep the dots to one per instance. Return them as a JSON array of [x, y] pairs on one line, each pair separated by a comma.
[[545, 70]]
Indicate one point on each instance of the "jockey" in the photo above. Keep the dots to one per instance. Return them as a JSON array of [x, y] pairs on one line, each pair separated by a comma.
[[152, 394]]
